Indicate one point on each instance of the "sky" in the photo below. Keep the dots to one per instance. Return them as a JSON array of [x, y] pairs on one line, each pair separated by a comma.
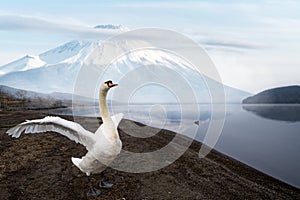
[[253, 44]]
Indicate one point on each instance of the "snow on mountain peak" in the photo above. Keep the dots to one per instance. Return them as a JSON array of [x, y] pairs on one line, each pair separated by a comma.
[[25, 63], [64, 51]]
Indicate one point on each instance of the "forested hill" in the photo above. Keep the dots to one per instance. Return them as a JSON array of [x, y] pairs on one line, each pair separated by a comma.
[[280, 95]]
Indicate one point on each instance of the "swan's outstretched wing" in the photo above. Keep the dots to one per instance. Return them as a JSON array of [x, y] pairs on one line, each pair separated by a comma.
[[70, 129]]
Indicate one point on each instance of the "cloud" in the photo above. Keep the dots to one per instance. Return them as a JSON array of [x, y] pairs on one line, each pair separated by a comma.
[[232, 44], [225, 43], [41, 25]]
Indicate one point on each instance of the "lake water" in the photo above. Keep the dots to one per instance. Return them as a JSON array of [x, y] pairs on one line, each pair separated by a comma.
[[264, 137], [261, 139]]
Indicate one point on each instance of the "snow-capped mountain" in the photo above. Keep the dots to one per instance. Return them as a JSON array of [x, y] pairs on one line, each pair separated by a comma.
[[56, 74], [26, 63], [56, 70]]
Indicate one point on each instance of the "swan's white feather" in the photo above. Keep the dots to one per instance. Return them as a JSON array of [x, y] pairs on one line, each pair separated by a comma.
[[117, 118], [71, 130]]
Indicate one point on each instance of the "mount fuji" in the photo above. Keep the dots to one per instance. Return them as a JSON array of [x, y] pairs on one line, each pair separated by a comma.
[[56, 70]]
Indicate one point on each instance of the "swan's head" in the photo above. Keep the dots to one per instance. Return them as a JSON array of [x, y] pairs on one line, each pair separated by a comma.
[[107, 85]]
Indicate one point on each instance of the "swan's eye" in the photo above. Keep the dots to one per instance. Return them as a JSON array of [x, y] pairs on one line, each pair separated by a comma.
[[108, 83]]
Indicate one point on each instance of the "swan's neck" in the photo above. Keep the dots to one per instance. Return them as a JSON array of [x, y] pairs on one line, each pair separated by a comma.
[[108, 125], [103, 106]]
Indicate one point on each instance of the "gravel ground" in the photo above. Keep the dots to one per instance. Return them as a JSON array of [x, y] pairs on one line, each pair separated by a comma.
[[38, 166]]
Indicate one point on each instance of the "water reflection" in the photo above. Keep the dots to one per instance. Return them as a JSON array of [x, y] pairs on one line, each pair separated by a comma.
[[289, 113]]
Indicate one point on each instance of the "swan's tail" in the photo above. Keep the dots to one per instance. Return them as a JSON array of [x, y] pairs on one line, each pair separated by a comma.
[[76, 162]]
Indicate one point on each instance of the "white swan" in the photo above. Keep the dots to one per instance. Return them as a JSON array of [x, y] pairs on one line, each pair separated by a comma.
[[103, 146]]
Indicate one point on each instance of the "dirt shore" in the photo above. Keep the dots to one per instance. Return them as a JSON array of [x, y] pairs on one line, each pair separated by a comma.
[[38, 166]]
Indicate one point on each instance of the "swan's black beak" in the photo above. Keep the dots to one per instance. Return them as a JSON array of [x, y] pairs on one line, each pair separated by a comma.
[[110, 84]]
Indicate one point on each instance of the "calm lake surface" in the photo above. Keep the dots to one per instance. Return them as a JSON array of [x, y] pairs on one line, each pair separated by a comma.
[[266, 137]]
